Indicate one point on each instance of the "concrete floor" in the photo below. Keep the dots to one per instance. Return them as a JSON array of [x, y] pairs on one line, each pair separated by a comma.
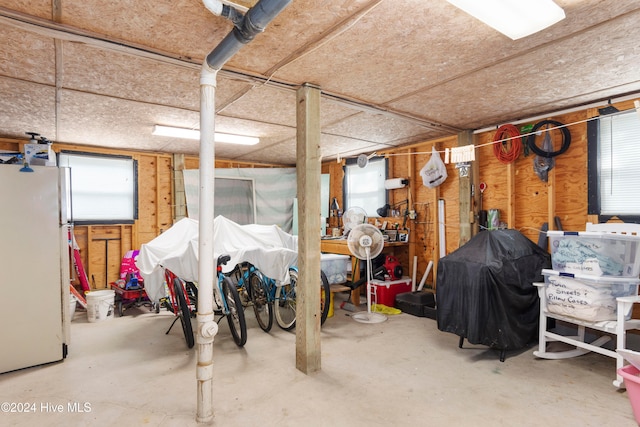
[[403, 372]]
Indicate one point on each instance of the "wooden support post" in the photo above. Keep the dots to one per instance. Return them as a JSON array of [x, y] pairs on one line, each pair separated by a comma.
[[411, 196], [474, 175], [308, 176], [179, 197], [551, 199], [158, 194], [511, 196], [435, 219], [464, 186]]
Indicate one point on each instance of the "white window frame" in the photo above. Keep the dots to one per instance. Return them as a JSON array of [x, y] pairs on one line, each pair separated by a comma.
[[103, 188], [364, 187], [618, 160]]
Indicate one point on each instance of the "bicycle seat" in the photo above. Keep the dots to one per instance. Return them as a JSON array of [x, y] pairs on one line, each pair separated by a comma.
[[223, 259]]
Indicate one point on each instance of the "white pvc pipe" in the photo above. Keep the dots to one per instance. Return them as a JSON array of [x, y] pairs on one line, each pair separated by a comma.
[[207, 327], [441, 229], [265, 11], [415, 272], [214, 6], [424, 276]]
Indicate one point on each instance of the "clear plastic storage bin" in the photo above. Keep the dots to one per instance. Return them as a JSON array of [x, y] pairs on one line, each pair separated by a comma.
[[595, 253], [335, 267], [590, 298]]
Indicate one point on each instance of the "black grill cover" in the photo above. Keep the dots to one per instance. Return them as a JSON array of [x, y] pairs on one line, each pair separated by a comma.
[[485, 290]]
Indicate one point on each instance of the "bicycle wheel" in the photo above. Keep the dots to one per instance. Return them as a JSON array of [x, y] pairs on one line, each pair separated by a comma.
[[325, 297], [183, 312], [192, 292], [285, 304], [262, 307], [235, 315]]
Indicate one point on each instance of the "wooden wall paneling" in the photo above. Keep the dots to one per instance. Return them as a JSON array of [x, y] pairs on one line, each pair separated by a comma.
[[124, 242], [336, 176], [10, 144], [571, 174], [191, 162], [154, 196], [88, 259], [494, 174], [424, 226], [165, 196], [106, 255], [135, 239], [80, 234], [531, 203], [147, 203]]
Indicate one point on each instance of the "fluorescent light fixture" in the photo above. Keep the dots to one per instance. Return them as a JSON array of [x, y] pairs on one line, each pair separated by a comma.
[[228, 138], [513, 18]]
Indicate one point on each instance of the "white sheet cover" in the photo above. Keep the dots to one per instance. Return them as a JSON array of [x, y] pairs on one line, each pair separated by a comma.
[[267, 247]]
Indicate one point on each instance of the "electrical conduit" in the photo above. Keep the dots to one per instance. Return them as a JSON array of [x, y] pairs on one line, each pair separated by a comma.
[[246, 27]]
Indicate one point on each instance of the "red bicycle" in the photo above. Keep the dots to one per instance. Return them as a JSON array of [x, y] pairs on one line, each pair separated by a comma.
[[181, 302]]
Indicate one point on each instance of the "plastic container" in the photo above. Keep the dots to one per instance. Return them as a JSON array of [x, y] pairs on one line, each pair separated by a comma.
[[384, 291], [330, 312], [632, 383], [595, 253], [73, 301], [590, 298], [335, 267], [100, 305]]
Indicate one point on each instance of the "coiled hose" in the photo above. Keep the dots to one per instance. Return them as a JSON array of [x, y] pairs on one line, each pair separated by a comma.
[[566, 139], [507, 151]]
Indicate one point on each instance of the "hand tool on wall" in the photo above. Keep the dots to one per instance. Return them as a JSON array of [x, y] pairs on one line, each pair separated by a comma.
[[482, 214]]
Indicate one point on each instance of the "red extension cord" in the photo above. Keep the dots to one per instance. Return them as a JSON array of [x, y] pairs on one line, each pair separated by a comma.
[[507, 151]]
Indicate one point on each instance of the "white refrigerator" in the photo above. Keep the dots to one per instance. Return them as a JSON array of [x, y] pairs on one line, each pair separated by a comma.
[[34, 267]]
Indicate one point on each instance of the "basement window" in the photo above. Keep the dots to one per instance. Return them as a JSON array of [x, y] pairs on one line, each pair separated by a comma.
[[614, 171], [364, 187], [103, 188]]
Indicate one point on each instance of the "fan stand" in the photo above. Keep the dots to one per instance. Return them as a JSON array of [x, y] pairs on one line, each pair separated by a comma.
[[368, 316]]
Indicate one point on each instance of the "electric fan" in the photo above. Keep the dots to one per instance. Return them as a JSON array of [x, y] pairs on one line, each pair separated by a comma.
[[353, 217], [365, 242]]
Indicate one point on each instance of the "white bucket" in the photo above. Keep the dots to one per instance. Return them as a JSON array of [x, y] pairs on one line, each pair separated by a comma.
[[73, 301], [100, 305]]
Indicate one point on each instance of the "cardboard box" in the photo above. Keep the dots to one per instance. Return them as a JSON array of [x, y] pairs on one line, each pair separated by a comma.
[[384, 291]]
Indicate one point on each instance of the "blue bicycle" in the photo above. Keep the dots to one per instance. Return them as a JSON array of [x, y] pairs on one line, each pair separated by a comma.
[[250, 285], [227, 303], [270, 300]]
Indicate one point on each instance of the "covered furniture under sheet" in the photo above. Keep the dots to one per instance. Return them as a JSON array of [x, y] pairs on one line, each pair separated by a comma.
[[485, 290], [267, 247]]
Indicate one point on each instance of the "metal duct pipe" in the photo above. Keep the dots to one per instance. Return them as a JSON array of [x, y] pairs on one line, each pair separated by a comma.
[[245, 29], [253, 23]]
